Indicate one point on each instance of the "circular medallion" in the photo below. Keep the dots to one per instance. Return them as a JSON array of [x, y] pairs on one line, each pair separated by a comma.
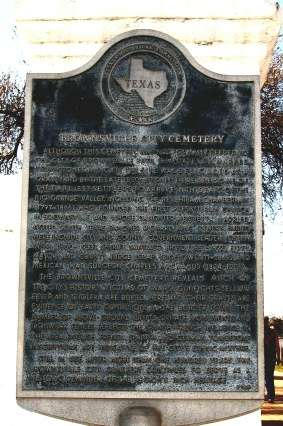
[[143, 83]]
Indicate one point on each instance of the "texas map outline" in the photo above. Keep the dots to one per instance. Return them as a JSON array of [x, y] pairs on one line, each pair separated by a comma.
[[147, 83]]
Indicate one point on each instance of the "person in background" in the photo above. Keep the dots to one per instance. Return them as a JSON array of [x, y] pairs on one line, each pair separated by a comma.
[[271, 355]]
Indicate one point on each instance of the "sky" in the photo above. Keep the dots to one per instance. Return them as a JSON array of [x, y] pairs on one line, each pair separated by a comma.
[[11, 51], [10, 188]]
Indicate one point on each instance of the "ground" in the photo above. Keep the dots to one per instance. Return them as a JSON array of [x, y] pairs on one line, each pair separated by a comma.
[[272, 414]]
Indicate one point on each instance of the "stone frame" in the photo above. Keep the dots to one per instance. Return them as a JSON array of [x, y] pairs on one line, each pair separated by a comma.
[[223, 404]]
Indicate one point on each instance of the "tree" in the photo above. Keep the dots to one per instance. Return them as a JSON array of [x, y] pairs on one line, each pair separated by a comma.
[[272, 132], [12, 128], [12, 102]]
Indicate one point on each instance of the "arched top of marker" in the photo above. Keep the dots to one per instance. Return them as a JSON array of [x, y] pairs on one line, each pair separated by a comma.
[[143, 77]]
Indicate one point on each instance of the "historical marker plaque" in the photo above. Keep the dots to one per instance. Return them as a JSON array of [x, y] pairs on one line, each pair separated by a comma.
[[140, 253]]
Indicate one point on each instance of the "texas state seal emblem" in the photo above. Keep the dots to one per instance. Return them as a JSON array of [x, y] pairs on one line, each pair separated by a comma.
[[143, 82]]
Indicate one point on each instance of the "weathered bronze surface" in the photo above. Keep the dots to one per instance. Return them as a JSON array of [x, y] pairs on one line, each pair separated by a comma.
[[141, 271]]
